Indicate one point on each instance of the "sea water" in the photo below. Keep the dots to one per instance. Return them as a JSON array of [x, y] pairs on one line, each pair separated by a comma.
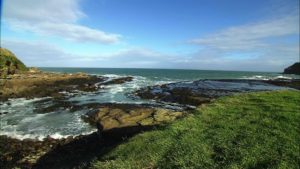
[[20, 119]]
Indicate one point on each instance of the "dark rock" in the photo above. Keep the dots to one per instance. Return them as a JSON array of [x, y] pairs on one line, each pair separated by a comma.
[[293, 69], [201, 91], [292, 83], [118, 80], [2, 113], [22, 153], [71, 152]]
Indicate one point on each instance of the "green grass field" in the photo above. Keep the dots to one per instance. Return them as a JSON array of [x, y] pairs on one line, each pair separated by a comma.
[[255, 130]]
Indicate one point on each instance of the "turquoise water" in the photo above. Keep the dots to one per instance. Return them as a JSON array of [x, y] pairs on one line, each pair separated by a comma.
[[22, 121]]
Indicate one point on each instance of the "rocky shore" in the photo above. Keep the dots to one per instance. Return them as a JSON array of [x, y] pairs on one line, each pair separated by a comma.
[[45, 84], [42, 84], [203, 91], [25, 153], [71, 152], [115, 122], [119, 121]]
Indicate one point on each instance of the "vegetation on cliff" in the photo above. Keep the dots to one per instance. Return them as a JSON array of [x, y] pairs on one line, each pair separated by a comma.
[[9, 63], [255, 130]]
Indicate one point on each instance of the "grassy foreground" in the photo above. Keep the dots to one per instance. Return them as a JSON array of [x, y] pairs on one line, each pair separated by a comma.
[[255, 130]]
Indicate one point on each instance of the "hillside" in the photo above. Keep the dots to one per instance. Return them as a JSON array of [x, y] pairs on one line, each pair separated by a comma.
[[293, 69], [9, 63]]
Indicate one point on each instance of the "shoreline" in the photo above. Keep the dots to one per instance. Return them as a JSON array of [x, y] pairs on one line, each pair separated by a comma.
[[120, 121]]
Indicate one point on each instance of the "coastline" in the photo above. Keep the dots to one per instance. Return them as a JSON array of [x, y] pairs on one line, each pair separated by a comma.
[[120, 121]]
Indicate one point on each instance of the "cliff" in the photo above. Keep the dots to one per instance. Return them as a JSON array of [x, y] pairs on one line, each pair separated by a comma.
[[9, 63], [293, 69]]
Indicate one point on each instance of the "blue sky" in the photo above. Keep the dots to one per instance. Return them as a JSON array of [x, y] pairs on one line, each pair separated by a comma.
[[256, 35]]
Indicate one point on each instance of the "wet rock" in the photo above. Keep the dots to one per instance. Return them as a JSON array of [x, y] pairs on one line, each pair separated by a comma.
[[292, 83], [126, 115], [3, 113], [118, 80], [23, 153], [203, 91]]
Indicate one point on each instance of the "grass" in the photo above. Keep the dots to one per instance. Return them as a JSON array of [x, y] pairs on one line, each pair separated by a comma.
[[255, 130], [7, 56]]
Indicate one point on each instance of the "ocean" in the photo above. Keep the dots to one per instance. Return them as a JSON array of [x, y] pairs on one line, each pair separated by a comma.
[[22, 121], [174, 74]]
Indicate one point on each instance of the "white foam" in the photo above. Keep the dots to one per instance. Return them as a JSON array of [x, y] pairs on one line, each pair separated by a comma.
[[22, 136], [33, 118], [22, 122], [260, 77], [256, 77], [40, 137], [112, 76], [283, 77], [23, 101]]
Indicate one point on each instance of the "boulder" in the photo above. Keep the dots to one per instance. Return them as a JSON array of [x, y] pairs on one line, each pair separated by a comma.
[[125, 115]]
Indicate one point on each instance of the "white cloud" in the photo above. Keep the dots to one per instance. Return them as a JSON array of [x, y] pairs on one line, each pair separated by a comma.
[[40, 10], [53, 17], [250, 36], [275, 59], [37, 53], [268, 46]]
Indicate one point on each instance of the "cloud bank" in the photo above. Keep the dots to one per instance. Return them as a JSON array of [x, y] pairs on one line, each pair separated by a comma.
[[267, 45], [53, 18], [44, 54], [250, 36]]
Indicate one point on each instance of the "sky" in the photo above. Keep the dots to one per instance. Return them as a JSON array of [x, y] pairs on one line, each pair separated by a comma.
[[256, 35]]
